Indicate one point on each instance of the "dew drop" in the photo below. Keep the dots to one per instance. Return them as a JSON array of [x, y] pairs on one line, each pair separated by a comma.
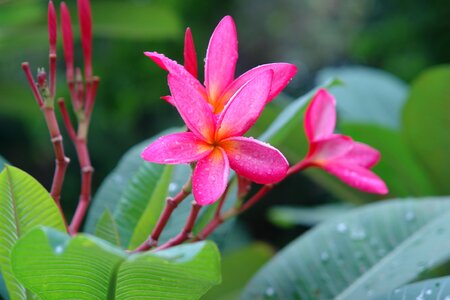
[[397, 291], [324, 256], [173, 187], [410, 216], [341, 227], [59, 249], [269, 293], [428, 292]]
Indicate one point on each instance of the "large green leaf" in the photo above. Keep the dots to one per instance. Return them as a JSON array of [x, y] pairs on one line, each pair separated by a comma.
[[288, 216], [398, 166], [234, 275], [368, 96], [361, 254], [426, 124], [112, 188], [432, 289], [183, 272], [140, 194], [24, 205], [55, 266]]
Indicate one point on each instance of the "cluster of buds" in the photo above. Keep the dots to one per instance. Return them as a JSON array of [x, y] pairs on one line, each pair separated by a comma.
[[82, 88]]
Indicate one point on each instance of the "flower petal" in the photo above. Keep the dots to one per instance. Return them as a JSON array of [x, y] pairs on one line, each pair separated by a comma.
[[168, 99], [210, 177], [221, 57], [320, 116], [255, 160], [245, 106], [362, 155], [357, 177], [331, 148], [176, 148], [177, 70], [193, 109], [282, 74], [190, 56]]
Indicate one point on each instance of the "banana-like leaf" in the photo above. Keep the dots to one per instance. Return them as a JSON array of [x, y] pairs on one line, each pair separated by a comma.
[[24, 205], [432, 289], [359, 255], [55, 266]]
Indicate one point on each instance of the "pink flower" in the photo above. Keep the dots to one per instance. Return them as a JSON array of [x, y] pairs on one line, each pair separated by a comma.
[[220, 65], [337, 154], [216, 142]]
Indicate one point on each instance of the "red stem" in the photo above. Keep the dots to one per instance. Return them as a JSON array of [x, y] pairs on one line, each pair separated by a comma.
[[171, 204], [66, 119], [186, 233], [31, 82], [86, 182]]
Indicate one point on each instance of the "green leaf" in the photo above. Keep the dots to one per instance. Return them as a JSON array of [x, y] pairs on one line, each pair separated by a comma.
[[234, 275], [368, 96], [398, 166], [111, 21], [426, 121], [433, 289], [107, 229], [183, 272], [288, 216], [55, 266], [24, 205], [361, 254], [3, 162], [137, 196], [112, 188], [154, 201]]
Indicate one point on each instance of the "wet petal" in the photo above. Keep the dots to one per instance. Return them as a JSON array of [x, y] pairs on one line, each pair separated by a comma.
[[176, 70], [320, 116], [221, 57], [282, 74], [362, 155], [190, 56], [255, 160], [357, 177], [245, 106], [328, 149], [210, 177], [195, 112], [176, 148]]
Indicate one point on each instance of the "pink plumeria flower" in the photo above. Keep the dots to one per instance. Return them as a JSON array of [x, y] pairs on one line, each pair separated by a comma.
[[220, 65], [337, 154], [216, 143]]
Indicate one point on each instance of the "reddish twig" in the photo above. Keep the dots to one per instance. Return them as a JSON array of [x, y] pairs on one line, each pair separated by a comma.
[[186, 232], [171, 204], [220, 218]]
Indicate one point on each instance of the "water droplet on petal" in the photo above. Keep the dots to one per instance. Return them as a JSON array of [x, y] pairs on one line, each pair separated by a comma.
[[428, 292], [358, 234], [269, 293]]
